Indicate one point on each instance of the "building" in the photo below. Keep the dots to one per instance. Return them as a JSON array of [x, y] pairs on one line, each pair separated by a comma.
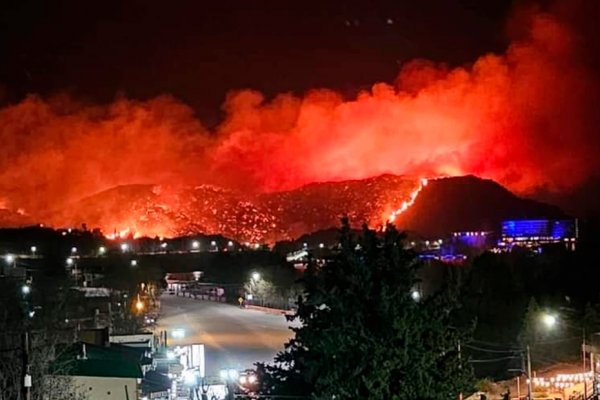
[[178, 281], [101, 373], [535, 233]]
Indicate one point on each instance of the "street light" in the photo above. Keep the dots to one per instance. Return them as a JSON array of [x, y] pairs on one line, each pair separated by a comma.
[[101, 249], [69, 261], [230, 377], [230, 243], [73, 250], [549, 320], [255, 276], [415, 295], [9, 258], [124, 247], [196, 245], [25, 289], [133, 263], [139, 304], [213, 243], [33, 249]]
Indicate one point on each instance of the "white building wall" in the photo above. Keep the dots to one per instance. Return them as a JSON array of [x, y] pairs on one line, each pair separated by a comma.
[[100, 388]]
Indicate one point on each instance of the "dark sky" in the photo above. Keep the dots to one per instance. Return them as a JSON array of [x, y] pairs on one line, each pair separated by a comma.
[[198, 50]]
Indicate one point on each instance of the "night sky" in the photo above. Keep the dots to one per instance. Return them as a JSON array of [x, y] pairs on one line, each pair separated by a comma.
[[199, 50]]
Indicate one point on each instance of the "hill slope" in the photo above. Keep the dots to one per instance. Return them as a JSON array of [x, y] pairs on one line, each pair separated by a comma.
[[445, 205]]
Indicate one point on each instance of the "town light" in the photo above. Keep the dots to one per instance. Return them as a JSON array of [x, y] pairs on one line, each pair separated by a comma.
[[33, 249], [213, 243], [133, 263], [163, 245], [9, 258], [101, 249], [124, 247], [321, 245], [230, 243], [178, 333], [549, 320], [255, 276], [25, 289], [70, 261], [229, 374], [415, 295], [139, 305], [73, 250], [189, 377], [196, 244]]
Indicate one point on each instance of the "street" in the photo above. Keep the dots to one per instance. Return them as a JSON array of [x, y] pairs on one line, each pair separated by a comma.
[[233, 337]]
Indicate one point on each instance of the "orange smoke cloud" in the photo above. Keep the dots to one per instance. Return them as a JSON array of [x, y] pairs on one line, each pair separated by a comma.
[[523, 119], [519, 119]]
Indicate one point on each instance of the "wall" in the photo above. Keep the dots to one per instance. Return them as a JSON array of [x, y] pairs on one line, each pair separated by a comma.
[[106, 388]]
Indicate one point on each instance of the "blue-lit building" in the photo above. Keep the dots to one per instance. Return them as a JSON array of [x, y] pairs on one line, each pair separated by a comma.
[[533, 233], [473, 239]]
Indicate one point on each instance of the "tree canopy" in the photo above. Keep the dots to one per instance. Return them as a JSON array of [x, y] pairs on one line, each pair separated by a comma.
[[365, 333]]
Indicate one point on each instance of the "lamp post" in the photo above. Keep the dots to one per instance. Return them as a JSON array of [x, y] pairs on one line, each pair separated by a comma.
[[254, 281], [529, 379], [550, 321], [10, 260]]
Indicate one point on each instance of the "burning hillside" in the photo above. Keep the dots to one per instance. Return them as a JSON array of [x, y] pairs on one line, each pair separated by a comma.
[[436, 208], [169, 211]]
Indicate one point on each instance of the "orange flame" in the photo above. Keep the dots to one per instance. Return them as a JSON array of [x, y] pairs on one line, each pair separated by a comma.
[[406, 204]]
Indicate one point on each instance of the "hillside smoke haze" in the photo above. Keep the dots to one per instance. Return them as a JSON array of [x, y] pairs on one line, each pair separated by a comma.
[[525, 119]]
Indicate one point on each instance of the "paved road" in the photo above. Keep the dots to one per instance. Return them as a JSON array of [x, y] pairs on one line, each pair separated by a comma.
[[233, 337]]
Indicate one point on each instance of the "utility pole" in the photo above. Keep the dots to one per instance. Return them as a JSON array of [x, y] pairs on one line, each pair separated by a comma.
[[460, 395], [529, 377], [584, 365], [26, 367]]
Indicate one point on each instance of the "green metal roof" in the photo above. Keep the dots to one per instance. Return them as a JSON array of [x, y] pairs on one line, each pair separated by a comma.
[[117, 362], [99, 368]]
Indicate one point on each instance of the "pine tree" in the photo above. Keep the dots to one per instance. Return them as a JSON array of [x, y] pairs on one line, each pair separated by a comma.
[[364, 336], [529, 333]]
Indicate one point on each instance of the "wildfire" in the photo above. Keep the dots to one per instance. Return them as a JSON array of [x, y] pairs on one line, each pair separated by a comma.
[[123, 233], [118, 234], [269, 155], [406, 204]]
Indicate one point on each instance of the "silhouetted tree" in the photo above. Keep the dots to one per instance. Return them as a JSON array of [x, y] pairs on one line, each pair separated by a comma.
[[364, 336]]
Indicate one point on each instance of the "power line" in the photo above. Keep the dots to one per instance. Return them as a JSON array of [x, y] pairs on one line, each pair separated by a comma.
[[490, 350], [490, 360], [502, 345]]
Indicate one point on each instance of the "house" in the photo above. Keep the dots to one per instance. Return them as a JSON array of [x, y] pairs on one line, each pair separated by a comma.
[[98, 379], [103, 372]]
